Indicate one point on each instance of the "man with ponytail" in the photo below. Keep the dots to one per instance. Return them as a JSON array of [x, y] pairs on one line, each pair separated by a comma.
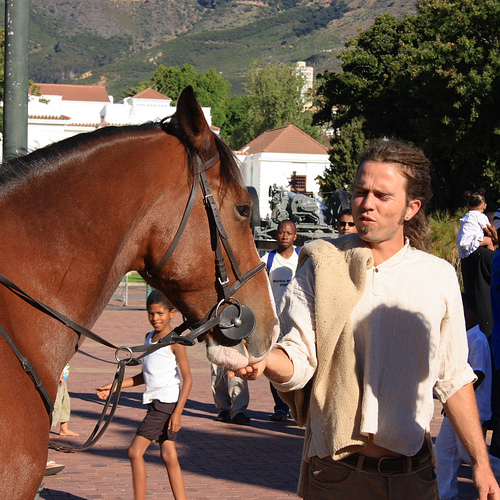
[[372, 328]]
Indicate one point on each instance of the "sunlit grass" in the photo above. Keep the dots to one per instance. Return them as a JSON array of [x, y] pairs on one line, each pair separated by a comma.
[[441, 240]]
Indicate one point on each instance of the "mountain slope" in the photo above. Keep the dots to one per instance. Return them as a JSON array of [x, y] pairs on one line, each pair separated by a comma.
[[121, 42]]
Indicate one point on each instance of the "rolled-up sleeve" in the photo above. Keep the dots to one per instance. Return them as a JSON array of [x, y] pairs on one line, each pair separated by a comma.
[[454, 370], [297, 329]]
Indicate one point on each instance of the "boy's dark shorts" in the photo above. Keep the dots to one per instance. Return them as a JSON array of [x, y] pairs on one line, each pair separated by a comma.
[[155, 423]]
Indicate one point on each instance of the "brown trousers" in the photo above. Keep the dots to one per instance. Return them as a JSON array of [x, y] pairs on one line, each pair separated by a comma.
[[331, 480]]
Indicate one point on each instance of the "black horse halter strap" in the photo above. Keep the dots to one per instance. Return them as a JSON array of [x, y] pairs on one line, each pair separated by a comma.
[[229, 321], [187, 212], [31, 371], [221, 235]]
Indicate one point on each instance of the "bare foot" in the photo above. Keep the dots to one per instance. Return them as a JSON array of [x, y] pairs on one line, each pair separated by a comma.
[[64, 431]]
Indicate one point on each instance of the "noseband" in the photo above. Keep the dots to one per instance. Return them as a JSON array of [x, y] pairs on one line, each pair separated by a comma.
[[235, 320]]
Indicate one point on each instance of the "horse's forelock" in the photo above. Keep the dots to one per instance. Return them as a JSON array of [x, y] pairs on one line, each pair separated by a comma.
[[230, 174]]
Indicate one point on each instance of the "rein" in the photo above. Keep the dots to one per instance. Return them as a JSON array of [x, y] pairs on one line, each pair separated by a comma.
[[235, 320]]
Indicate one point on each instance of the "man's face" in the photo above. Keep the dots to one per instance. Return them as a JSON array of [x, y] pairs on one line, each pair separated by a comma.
[[345, 225], [286, 235], [379, 205]]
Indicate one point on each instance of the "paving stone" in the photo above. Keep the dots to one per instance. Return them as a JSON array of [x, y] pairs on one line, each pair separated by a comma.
[[221, 461]]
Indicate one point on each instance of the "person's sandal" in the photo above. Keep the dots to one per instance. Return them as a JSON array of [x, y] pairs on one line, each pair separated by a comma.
[[52, 468]]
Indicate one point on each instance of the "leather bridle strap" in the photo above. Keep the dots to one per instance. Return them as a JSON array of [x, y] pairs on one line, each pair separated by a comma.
[[200, 166], [31, 371], [76, 326], [221, 235]]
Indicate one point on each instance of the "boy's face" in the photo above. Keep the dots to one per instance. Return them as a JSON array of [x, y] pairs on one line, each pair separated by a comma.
[[159, 316], [286, 236]]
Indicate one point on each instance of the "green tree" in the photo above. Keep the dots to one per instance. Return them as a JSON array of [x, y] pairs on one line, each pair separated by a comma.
[[211, 89], [2, 75], [275, 95], [273, 99], [2, 62], [346, 144], [235, 130], [431, 79]]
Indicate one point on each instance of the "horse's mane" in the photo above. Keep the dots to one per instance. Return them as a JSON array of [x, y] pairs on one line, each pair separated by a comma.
[[18, 167], [21, 166]]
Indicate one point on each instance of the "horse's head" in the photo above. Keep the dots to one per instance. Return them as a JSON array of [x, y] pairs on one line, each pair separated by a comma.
[[211, 270]]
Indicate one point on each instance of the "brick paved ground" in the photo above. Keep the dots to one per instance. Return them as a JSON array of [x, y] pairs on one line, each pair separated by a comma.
[[220, 461]]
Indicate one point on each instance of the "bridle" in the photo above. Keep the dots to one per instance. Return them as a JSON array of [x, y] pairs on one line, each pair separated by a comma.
[[235, 320]]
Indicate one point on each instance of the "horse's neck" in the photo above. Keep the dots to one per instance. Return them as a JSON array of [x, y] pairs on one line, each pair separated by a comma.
[[77, 225]]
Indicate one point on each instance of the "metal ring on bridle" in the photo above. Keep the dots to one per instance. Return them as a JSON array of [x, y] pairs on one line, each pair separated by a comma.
[[234, 321], [128, 358]]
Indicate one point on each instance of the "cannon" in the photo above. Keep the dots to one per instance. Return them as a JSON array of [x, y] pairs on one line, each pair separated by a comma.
[[312, 217]]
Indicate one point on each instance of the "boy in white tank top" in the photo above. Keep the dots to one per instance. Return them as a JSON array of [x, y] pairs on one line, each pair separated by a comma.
[[165, 397]]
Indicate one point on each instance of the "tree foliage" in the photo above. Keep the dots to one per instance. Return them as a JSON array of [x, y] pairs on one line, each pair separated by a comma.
[[431, 79], [2, 63], [211, 89], [345, 147], [273, 99]]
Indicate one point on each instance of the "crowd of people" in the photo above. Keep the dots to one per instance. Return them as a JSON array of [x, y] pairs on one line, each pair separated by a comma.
[[373, 329]]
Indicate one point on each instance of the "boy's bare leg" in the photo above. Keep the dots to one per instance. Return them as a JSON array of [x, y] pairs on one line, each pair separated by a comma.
[[136, 455], [171, 461]]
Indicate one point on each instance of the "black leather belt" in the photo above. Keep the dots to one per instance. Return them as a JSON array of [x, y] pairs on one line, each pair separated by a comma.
[[389, 465]]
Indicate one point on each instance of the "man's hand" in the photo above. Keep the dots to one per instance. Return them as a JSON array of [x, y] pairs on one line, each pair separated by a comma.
[[250, 372], [486, 484]]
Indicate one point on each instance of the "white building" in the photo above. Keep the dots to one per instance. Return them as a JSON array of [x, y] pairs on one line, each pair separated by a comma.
[[308, 73], [61, 111], [278, 155]]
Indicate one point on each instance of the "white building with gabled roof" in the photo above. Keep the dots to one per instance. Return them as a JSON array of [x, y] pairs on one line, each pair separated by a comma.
[[59, 111], [282, 157]]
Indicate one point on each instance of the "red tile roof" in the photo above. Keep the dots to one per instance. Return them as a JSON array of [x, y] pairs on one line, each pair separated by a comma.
[[289, 139], [49, 117], [150, 94], [93, 93]]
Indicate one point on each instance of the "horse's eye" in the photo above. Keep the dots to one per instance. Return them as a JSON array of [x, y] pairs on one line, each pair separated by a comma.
[[244, 210]]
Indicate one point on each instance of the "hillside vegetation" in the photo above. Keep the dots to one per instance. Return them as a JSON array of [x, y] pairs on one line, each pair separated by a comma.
[[121, 42]]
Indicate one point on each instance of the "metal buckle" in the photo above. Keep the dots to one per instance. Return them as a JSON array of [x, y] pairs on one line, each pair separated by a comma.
[[380, 462]]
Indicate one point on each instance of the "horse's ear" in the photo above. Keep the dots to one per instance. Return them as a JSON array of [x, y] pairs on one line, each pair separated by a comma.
[[193, 126]]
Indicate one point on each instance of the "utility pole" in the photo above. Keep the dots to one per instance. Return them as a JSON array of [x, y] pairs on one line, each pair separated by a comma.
[[15, 106]]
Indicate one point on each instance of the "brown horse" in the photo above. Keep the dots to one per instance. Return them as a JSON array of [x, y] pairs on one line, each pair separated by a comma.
[[79, 214]]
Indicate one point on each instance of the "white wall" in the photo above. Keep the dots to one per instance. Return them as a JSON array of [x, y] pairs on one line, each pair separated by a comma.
[[56, 119], [262, 170]]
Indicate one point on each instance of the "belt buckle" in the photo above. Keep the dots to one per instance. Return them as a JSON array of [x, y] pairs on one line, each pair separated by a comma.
[[379, 466]]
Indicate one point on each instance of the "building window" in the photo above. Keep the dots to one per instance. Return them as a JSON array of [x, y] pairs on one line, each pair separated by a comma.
[[298, 183]]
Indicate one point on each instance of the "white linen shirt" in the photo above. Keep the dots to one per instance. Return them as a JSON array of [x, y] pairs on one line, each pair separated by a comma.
[[409, 334]]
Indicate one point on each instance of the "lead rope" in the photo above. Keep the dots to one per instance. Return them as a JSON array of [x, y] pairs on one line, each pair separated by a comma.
[[96, 434]]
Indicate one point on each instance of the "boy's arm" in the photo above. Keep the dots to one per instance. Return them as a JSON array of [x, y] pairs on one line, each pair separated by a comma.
[[103, 392], [187, 382]]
